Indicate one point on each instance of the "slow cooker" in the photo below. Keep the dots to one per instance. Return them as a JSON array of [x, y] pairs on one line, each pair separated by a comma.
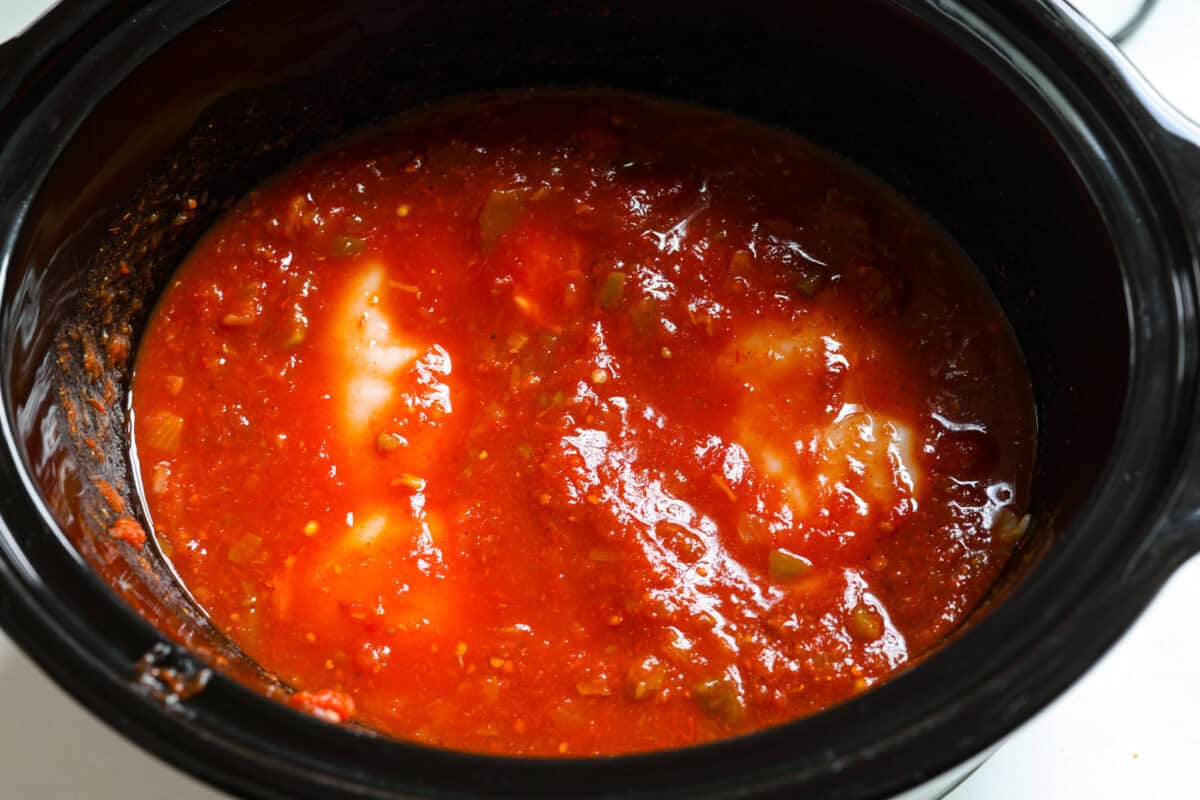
[[1015, 125]]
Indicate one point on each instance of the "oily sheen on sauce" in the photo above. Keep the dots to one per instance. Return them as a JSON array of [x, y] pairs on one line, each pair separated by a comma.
[[580, 423]]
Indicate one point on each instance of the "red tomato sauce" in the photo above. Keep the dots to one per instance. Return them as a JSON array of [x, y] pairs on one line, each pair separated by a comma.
[[580, 424]]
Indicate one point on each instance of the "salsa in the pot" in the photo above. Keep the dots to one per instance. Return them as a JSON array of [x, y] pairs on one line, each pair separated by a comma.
[[580, 424]]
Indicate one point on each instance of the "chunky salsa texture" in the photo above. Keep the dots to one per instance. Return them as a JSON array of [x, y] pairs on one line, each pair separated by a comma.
[[580, 424]]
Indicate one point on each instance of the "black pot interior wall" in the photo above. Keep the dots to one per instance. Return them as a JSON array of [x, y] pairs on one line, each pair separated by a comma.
[[259, 84]]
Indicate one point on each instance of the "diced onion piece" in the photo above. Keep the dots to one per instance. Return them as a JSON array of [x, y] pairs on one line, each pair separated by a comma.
[[388, 442], [808, 279], [296, 336], [865, 623], [741, 262], [160, 477], [646, 678], [722, 698], [721, 483], [751, 529], [783, 565], [501, 211], [245, 550], [1009, 527], [163, 431], [410, 482], [343, 246], [241, 319], [609, 294], [593, 687]]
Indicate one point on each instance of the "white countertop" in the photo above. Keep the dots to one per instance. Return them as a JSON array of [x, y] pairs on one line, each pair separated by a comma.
[[1127, 730]]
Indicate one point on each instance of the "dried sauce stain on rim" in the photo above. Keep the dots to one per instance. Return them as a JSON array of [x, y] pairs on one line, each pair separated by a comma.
[[581, 424]]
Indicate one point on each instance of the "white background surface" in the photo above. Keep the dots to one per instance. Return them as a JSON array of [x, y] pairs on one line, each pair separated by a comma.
[[1129, 729]]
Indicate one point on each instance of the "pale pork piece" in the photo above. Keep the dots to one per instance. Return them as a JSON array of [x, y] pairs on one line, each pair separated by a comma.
[[372, 353], [860, 453], [384, 563]]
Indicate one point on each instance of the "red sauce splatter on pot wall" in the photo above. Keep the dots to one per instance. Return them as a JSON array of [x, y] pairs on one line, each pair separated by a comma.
[[581, 424]]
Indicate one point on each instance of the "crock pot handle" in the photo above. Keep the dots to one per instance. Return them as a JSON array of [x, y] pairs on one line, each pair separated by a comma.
[[1185, 153], [1182, 146]]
